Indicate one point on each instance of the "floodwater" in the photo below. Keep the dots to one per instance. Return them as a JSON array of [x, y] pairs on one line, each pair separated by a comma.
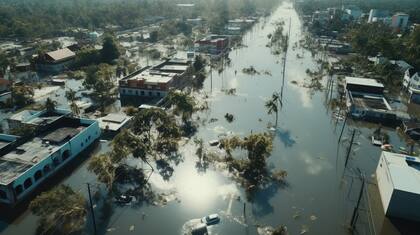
[[319, 195]]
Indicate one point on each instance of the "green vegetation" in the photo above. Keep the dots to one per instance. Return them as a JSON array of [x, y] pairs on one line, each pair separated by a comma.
[[61, 211], [22, 95], [53, 17], [50, 105], [252, 171], [111, 50], [100, 79], [71, 97], [274, 104]]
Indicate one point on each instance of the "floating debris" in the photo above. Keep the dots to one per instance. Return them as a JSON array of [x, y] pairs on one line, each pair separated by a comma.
[[229, 117], [313, 217], [131, 228], [250, 70], [304, 230]]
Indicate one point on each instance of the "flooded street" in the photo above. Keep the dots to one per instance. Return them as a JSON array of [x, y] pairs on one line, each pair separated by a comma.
[[319, 194]]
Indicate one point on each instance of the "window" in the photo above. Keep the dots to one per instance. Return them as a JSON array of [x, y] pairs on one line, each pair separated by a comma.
[[66, 155], [150, 93], [142, 93], [86, 140], [81, 144], [158, 94], [137, 92], [18, 189], [56, 162], [27, 183], [46, 169], [3, 194], [88, 137], [38, 175], [123, 91]]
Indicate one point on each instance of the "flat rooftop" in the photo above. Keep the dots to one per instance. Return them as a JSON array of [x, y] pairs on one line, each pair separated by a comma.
[[30, 153], [113, 121], [404, 171], [363, 82], [370, 102], [152, 78]]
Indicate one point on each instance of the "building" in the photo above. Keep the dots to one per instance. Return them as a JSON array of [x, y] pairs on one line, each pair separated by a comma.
[[55, 61], [377, 15], [398, 178], [113, 122], [25, 163], [412, 129], [411, 83], [365, 100], [399, 21], [213, 44], [155, 81], [35, 118], [353, 11]]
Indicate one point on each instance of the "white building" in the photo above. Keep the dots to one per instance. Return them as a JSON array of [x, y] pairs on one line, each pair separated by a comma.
[[26, 163], [377, 15], [398, 178], [411, 83]]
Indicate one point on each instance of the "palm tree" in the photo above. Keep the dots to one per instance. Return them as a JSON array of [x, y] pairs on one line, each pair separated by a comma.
[[274, 104], [71, 97], [50, 105]]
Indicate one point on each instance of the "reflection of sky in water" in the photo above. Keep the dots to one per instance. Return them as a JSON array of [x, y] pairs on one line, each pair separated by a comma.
[[314, 165]]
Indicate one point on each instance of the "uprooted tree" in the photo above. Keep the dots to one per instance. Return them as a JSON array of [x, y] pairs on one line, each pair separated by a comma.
[[252, 172], [61, 211]]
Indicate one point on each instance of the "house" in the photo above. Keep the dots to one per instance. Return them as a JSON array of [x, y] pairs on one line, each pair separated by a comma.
[[353, 11], [398, 178], [399, 21], [55, 61], [365, 100], [26, 163], [411, 84], [213, 44], [412, 129], [154, 81]]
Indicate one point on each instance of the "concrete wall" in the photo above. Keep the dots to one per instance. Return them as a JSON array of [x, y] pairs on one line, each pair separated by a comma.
[[404, 205], [385, 184], [56, 160]]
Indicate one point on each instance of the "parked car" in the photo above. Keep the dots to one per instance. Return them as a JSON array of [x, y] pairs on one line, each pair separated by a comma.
[[211, 219]]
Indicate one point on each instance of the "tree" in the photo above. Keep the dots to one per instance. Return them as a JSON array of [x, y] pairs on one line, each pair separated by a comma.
[[61, 211], [182, 102], [4, 63], [22, 95], [71, 97], [100, 80], [274, 104], [104, 168], [199, 63], [110, 49], [50, 105]]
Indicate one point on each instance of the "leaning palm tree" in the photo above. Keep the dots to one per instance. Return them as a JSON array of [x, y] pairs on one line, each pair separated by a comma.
[[274, 104], [272, 108]]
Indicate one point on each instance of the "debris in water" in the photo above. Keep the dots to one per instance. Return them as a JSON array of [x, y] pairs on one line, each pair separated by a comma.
[[304, 229], [313, 217], [229, 117], [110, 229], [131, 228]]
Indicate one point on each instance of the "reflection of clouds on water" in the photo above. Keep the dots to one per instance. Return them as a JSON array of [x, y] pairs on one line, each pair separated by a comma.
[[314, 165], [285, 137], [261, 205]]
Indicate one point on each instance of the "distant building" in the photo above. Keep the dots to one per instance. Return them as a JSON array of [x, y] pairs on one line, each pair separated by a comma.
[[353, 11], [155, 81], [35, 118], [377, 15], [411, 83], [5, 93], [365, 100], [26, 163], [400, 21], [213, 44], [398, 181], [55, 61]]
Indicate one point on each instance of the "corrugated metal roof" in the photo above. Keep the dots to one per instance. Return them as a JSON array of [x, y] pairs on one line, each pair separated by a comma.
[[61, 54], [364, 82]]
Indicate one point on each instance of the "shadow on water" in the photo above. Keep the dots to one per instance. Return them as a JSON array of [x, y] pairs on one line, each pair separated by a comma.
[[261, 199], [10, 214], [285, 137]]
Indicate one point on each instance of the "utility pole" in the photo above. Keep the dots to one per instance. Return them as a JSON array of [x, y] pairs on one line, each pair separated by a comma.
[[91, 209], [349, 150], [356, 208], [342, 129]]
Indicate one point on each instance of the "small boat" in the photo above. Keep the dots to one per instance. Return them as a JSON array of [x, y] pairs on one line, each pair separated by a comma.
[[386, 147], [376, 142]]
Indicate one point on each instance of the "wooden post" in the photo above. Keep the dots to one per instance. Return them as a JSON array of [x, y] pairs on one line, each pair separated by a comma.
[[356, 208]]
